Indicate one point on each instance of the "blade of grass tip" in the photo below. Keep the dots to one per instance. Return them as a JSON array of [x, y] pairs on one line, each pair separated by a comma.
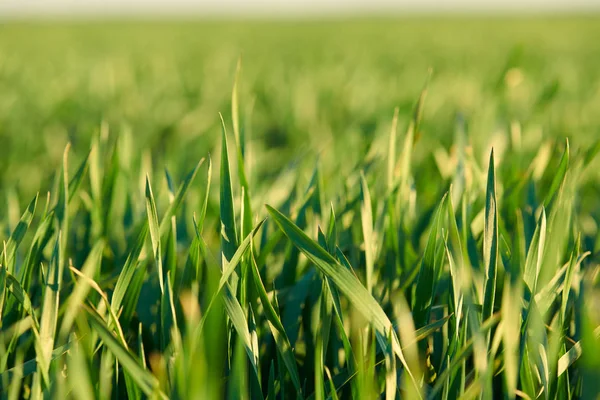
[[227, 214], [200, 222], [122, 287], [366, 213], [75, 182], [490, 243], [143, 378], [154, 233], [228, 268], [81, 289], [17, 235], [331, 233], [559, 176], [178, 198], [535, 254], [34, 256], [246, 225], [391, 167], [428, 271], [347, 283]]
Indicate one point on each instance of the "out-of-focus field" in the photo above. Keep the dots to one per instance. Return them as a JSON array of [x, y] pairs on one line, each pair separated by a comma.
[[309, 86], [430, 187]]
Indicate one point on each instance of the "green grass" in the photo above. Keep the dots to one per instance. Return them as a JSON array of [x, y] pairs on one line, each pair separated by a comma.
[[357, 209]]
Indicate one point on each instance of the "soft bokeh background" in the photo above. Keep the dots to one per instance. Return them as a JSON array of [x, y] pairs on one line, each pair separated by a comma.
[[334, 82], [317, 78]]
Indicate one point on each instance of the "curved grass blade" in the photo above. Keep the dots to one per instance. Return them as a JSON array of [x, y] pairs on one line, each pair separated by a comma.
[[17, 235], [154, 233], [81, 289], [277, 330], [559, 176], [345, 281], [144, 379]]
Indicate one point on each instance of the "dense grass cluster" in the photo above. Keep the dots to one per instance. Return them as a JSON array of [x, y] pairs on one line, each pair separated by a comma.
[[351, 225]]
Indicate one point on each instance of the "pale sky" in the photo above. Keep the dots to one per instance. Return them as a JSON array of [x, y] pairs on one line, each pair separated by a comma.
[[9, 8]]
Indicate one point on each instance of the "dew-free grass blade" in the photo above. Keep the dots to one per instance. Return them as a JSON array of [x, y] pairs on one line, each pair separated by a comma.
[[366, 213], [428, 273], [49, 316], [154, 233], [559, 176], [277, 330], [178, 198], [143, 378], [344, 280], [122, 287], [17, 235], [227, 214], [490, 243], [82, 288]]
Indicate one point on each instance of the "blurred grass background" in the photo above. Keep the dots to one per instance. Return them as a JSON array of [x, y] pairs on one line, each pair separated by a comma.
[[310, 87]]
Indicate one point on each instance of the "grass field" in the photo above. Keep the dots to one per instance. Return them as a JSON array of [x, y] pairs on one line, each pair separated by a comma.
[[384, 208]]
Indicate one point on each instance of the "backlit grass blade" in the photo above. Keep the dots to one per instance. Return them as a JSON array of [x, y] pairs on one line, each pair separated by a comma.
[[122, 287], [391, 161], [366, 213], [238, 320], [178, 199], [343, 279], [490, 243], [535, 254], [227, 214], [559, 176], [13, 286], [429, 271], [81, 290], [77, 179], [154, 233], [206, 196], [17, 235], [276, 327], [49, 315], [144, 379]]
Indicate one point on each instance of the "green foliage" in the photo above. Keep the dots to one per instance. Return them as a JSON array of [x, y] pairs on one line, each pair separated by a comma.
[[355, 241]]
